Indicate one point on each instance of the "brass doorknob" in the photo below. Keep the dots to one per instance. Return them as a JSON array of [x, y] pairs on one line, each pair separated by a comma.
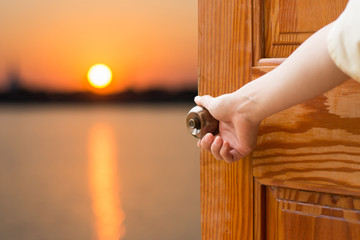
[[200, 122]]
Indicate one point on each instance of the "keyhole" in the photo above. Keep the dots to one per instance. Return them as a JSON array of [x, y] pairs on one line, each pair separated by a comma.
[[194, 123]]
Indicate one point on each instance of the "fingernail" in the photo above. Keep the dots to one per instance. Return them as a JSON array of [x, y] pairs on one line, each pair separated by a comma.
[[206, 138], [197, 98]]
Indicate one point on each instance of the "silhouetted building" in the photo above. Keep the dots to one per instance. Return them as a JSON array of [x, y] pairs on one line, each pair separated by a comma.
[[13, 80]]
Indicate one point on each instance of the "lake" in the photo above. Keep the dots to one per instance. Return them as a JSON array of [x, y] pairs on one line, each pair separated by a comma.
[[103, 172]]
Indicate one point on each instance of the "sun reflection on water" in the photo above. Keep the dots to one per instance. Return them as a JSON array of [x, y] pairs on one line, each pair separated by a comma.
[[104, 185]]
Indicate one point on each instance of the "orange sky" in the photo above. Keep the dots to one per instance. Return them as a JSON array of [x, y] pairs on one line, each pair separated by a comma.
[[54, 43]]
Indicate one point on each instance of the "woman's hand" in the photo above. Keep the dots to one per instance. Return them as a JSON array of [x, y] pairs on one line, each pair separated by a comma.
[[299, 78], [237, 130]]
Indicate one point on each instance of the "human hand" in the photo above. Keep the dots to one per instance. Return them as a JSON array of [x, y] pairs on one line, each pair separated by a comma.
[[237, 130]]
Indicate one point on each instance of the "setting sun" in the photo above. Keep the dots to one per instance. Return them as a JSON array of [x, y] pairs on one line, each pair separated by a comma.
[[99, 76]]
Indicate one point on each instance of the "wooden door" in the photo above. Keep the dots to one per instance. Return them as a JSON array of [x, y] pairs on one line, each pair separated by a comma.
[[303, 179]]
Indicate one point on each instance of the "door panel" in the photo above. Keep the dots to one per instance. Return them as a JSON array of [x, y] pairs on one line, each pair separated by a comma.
[[297, 215], [288, 23], [317, 142]]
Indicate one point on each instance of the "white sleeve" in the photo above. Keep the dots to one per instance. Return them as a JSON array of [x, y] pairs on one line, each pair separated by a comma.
[[343, 40]]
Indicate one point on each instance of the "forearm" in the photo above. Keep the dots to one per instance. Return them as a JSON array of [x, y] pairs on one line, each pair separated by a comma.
[[307, 73]]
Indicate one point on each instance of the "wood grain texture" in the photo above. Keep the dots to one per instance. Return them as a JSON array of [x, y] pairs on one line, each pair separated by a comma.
[[288, 23], [315, 142], [293, 214], [224, 66], [312, 148], [308, 186], [258, 51], [259, 211]]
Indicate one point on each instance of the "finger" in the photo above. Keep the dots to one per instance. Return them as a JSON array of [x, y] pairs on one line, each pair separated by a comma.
[[198, 144], [226, 154], [216, 146], [236, 155], [206, 142], [204, 101]]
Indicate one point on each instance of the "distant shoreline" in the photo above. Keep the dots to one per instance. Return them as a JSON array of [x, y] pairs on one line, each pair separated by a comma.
[[152, 96]]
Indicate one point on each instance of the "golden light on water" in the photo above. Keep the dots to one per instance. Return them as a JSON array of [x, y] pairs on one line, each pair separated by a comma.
[[104, 184], [99, 76]]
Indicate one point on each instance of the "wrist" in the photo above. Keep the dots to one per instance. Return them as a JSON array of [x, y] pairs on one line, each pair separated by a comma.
[[248, 105]]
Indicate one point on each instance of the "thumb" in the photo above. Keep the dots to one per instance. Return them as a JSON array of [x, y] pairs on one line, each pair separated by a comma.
[[204, 101]]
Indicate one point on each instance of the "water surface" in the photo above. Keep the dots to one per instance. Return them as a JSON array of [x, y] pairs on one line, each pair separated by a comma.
[[98, 172]]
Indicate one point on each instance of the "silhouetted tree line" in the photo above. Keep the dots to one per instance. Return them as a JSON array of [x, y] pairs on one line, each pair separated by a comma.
[[19, 94]]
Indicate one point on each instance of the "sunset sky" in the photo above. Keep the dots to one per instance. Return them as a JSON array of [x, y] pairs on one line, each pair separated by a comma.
[[52, 44]]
